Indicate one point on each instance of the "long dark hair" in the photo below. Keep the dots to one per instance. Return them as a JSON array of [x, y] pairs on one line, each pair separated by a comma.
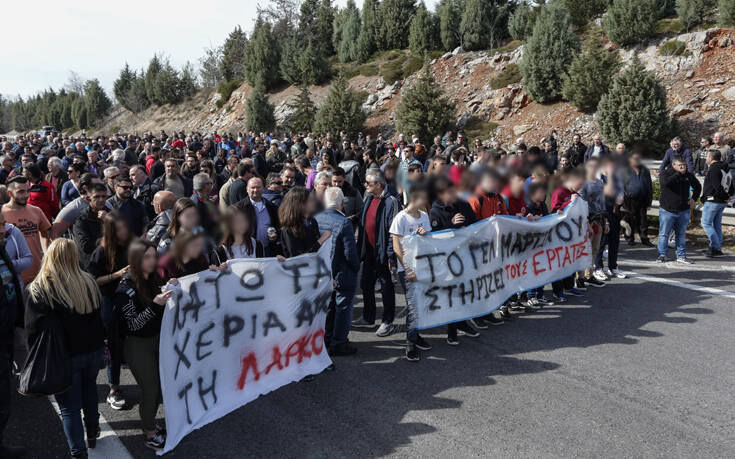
[[292, 211], [145, 288], [181, 242], [229, 237], [110, 241], [181, 205]]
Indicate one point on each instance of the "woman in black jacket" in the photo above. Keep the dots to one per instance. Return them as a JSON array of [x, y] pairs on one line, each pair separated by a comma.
[[108, 264], [299, 231], [238, 240], [63, 292], [139, 305]]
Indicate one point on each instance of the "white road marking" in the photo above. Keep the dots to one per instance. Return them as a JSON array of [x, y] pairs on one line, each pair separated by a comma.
[[673, 265], [686, 285], [108, 446]]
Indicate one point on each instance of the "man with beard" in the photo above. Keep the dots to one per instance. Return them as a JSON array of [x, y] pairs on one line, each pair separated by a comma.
[[352, 197]]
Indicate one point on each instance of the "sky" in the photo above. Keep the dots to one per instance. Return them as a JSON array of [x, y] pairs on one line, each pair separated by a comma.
[[44, 41]]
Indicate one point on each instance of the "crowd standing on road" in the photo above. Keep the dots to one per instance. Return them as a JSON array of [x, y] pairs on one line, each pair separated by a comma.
[[120, 216]]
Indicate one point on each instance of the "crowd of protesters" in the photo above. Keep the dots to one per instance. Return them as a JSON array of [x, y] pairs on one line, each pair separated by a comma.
[[94, 227]]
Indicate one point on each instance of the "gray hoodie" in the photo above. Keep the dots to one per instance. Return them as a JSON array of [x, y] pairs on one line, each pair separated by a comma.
[[17, 249]]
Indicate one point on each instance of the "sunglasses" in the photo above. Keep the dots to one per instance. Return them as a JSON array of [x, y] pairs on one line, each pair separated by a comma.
[[125, 187]]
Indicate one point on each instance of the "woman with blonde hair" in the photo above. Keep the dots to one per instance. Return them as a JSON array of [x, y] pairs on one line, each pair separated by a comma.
[[63, 292]]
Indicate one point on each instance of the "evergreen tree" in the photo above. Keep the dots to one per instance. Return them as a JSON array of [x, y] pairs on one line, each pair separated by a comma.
[[154, 67], [307, 19], [137, 98], [349, 33], [421, 36], [693, 12], [19, 121], [166, 86], [475, 29], [634, 109], [188, 85], [367, 40], [590, 76], [727, 12], [548, 53], [629, 22], [323, 26], [79, 113], [290, 63], [304, 111], [65, 119], [313, 65], [450, 18], [259, 111], [262, 56], [395, 15], [96, 101], [423, 109], [581, 11], [210, 67], [233, 55], [521, 22], [342, 110], [122, 85]]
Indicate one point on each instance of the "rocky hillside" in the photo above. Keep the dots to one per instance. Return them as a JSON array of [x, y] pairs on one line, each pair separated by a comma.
[[700, 84]]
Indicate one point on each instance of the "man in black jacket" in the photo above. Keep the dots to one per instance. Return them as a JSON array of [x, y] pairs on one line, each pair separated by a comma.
[[576, 151], [714, 196], [637, 197], [173, 181], [143, 189], [134, 211], [675, 204], [87, 229]]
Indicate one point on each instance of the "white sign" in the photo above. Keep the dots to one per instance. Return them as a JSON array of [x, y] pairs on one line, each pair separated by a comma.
[[471, 271], [228, 337]]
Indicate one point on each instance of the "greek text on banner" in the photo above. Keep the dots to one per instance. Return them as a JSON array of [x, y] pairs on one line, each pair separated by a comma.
[[471, 271], [228, 337]]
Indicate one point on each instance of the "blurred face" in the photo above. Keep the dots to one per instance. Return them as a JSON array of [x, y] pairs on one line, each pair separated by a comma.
[[97, 200], [19, 193], [516, 185], [189, 219], [338, 181], [240, 224], [635, 160], [195, 248], [121, 230], [149, 261], [620, 149], [564, 162], [597, 139], [489, 184], [124, 190], [232, 162], [288, 177], [420, 200], [449, 196], [255, 189], [591, 169], [718, 138], [680, 167], [311, 205], [321, 186]]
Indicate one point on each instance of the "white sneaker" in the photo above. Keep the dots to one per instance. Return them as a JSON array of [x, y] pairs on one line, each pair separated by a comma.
[[384, 330], [619, 274], [599, 275], [607, 272]]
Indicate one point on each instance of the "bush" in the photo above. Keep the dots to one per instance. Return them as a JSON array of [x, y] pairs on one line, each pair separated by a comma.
[[727, 12], [411, 66], [511, 74], [548, 54], [629, 22], [477, 128], [226, 89], [520, 24], [693, 12], [582, 11], [589, 76], [342, 110], [669, 27], [423, 109], [674, 48]]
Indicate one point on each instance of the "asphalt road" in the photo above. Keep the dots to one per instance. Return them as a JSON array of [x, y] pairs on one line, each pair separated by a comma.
[[639, 368]]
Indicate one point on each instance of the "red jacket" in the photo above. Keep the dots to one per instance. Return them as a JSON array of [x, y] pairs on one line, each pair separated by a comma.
[[487, 205], [561, 198], [43, 195], [514, 205]]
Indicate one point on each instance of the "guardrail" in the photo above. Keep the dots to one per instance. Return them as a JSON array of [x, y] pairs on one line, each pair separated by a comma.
[[728, 216]]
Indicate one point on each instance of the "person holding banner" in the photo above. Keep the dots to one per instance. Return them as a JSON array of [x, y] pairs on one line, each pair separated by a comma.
[[564, 195], [185, 217], [411, 220], [187, 256], [238, 240], [450, 212], [64, 293], [139, 306]]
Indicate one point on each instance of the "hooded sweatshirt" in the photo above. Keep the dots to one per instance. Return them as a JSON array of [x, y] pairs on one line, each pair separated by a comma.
[[17, 249]]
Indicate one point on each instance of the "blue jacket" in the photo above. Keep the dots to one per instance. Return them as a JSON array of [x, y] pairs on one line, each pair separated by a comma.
[[68, 193], [604, 151], [345, 260], [387, 210], [669, 157]]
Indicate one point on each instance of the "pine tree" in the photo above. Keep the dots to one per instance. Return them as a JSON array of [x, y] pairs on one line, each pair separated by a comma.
[[421, 33], [19, 121], [590, 76], [96, 101], [349, 33], [367, 41], [581, 11], [188, 85], [693, 12], [166, 87], [79, 113], [210, 67], [259, 111], [395, 15], [548, 53], [233, 55], [137, 98], [303, 112], [521, 22], [290, 63], [323, 26], [727, 12], [262, 56], [121, 86], [154, 67], [629, 22], [342, 110], [475, 28], [423, 109], [634, 109], [313, 65], [450, 18]]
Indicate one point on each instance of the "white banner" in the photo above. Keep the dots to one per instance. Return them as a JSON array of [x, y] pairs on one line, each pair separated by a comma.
[[228, 337], [471, 271]]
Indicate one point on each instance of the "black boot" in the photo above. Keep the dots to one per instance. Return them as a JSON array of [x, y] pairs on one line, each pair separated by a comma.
[[93, 433]]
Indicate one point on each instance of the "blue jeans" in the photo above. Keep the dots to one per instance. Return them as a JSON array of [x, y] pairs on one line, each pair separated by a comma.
[[678, 222], [411, 317], [339, 318], [712, 223], [113, 369], [82, 396]]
